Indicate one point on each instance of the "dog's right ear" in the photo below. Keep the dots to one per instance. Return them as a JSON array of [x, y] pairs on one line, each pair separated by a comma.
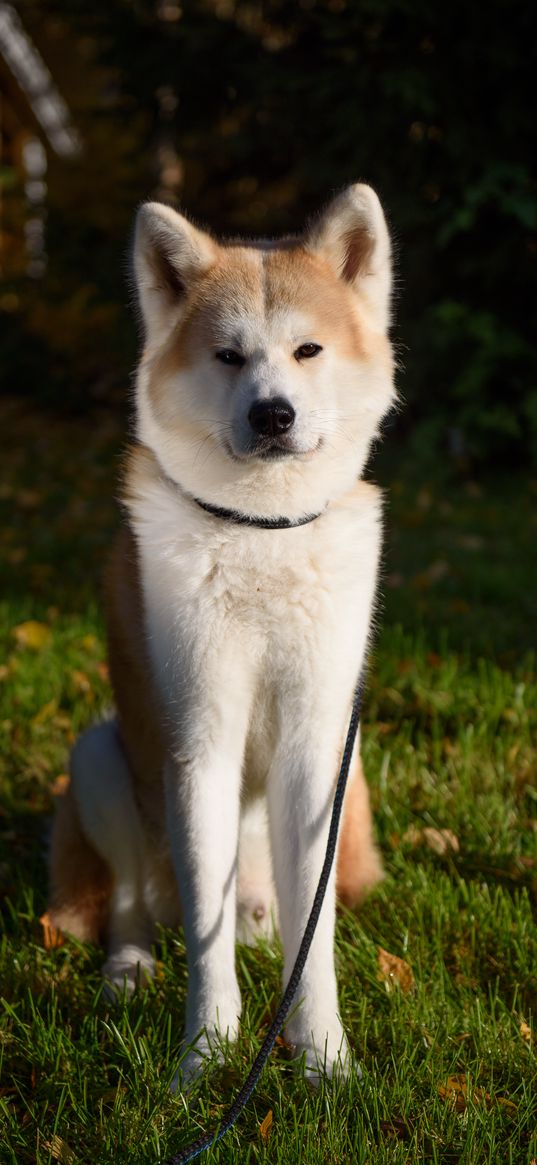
[[169, 256]]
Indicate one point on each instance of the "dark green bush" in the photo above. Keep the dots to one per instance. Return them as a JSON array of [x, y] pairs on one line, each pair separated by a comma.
[[270, 107]]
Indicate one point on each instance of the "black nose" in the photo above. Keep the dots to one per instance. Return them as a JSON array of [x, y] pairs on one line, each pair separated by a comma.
[[269, 418]]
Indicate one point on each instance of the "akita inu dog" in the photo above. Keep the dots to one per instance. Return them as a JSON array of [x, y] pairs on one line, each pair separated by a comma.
[[239, 606]]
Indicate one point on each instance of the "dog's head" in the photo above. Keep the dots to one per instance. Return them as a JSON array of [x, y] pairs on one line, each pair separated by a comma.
[[267, 368]]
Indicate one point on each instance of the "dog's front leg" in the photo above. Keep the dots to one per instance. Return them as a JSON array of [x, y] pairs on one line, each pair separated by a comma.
[[202, 782], [301, 791]]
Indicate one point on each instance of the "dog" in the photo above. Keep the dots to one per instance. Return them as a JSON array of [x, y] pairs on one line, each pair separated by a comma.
[[239, 603]]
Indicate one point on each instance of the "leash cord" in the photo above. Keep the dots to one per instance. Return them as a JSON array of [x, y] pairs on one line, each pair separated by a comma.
[[204, 1142]]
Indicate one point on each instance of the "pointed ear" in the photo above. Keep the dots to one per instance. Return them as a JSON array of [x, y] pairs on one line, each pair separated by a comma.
[[169, 256], [352, 235]]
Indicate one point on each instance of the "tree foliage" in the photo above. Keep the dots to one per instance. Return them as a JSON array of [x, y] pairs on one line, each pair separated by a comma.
[[264, 109]]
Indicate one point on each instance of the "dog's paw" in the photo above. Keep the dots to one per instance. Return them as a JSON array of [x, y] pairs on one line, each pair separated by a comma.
[[126, 970], [196, 1059], [199, 1054], [324, 1056]]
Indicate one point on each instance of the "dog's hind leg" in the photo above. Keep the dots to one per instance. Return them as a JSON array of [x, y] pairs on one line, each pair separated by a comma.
[[103, 791]]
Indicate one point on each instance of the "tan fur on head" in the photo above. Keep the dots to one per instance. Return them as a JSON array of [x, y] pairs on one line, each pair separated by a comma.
[[330, 286], [352, 234], [169, 255]]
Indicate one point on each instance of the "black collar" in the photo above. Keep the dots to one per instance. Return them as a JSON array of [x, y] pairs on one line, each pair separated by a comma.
[[251, 520]]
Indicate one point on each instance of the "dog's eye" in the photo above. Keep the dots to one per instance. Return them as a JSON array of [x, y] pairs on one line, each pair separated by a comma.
[[306, 351], [229, 356]]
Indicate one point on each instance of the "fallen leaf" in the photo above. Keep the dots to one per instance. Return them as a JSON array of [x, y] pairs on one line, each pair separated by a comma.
[[433, 574], [396, 1127], [456, 1091], [459, 607], [525, 1031], [281, 1042], [59, 1150], [393, 970], [60, 785], [412, 836], [32, 634], [424, 499], [52, 937], [62, 721], [45, 712], [28, 499], [441, 841], [513, 752], [16, 555], [89, 642], [265, 1126]]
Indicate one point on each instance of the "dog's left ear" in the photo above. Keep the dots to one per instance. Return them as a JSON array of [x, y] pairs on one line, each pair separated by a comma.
[[352, 235]]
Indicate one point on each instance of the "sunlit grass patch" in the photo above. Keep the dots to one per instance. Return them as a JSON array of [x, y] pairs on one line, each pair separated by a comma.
[[445, 1038]]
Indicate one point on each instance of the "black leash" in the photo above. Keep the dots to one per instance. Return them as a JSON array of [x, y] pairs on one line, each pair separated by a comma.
[[202, 1143]]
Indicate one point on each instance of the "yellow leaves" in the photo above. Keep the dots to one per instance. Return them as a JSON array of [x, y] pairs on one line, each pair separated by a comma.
[[45, 713], [457, 1092], [82, 683], [32, 634], [52, 937], [525, 1031], [60, 1150], [394, 972], [103, 672], [265, 1126], [90, 643], [60, 785], [440, 841]]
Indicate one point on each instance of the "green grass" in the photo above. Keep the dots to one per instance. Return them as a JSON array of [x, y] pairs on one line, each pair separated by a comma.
[[449, 744]]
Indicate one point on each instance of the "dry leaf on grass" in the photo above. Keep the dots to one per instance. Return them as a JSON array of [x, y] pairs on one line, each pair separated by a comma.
[[525, 1031], [32, 634], [456, 1091], [45, 713], [393, 971], [440, 841], [52, 937], [82, 684], [59, 1150], [60, 785], [265, 1126]]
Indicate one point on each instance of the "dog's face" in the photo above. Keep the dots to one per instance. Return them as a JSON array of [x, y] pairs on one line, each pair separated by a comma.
[[267, 369]]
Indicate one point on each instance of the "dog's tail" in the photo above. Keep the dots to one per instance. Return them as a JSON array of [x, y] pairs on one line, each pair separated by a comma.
[[80, 881], [359, 867]]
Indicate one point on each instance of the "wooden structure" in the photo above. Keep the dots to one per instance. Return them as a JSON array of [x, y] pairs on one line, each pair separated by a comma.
[[34, 120]]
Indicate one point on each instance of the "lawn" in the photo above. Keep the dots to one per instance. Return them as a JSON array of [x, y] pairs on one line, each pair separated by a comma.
[[438, 973]]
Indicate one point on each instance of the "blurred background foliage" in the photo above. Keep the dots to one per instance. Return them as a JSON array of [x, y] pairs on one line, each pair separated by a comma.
[[249, 115]]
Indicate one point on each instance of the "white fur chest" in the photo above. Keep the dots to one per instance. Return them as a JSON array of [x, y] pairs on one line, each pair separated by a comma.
[[202, 574]]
